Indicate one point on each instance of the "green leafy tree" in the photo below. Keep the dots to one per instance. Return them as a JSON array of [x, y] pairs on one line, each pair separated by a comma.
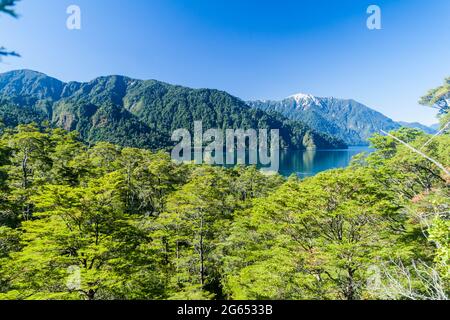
[[7, 6], [83, 229], [150, 179], [439, 97], [327, 231], [107, 222], [28, 165], [192, 228]]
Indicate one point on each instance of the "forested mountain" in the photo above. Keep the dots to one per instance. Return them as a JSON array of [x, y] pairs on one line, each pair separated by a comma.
[[138, 113], [105, 222], [348, 120], [435, 127], [417, 125]]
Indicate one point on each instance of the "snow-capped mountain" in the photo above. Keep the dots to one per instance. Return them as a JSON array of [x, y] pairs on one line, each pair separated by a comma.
[[343, 118], [304, 100]]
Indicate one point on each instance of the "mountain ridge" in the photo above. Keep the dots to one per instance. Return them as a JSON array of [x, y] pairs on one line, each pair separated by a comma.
[[140, 113], [346, 119], [419, 126]]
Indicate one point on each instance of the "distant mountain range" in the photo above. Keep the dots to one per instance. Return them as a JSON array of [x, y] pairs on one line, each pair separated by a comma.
[[345, 119], [139, 113], [415, 125], [348, 120], [436, 127]]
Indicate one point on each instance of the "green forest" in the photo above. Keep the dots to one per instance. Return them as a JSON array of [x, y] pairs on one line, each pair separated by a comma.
[[107, 222], [137, 113], [89, 212]]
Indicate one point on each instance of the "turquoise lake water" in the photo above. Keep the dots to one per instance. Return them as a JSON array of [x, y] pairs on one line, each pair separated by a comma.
[[311, 162]]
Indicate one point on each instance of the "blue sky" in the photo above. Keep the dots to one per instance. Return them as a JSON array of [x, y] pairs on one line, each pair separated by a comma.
[[252, 49]]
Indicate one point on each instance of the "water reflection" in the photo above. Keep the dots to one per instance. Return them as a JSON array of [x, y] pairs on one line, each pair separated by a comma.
[[311, 162]]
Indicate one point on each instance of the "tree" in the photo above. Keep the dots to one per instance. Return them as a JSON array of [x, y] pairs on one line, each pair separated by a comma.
[[83, 229], [70, 163], [439, 97], [6, 6], [420, 267], [106, 222], [191, 230], [326, 230], [28, 165], [7, 215], [424, 273], [150, 178]]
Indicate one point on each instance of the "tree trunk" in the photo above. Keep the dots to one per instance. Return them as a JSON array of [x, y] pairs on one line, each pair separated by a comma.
[[202, 264]]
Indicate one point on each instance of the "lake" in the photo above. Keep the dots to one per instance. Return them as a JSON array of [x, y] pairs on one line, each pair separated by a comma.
[[311, 162]]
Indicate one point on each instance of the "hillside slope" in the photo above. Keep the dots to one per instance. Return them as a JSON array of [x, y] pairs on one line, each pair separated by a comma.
[[348, 120], [139, 113]]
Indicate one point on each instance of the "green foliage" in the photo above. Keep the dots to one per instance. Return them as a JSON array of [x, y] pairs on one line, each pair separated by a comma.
[[140, 114], [103, 214], [327, 230], [108, 222], [7, 6], [438, 98]]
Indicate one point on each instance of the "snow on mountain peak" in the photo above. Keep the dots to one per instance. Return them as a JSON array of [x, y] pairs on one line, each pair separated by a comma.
[[303, 99], [301, 96]]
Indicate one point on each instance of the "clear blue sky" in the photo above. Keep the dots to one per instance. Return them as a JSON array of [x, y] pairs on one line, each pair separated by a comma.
[[254, 49]]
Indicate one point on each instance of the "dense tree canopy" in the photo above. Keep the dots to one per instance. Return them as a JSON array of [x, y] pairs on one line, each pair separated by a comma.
[[136, 113], [107, 222]]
